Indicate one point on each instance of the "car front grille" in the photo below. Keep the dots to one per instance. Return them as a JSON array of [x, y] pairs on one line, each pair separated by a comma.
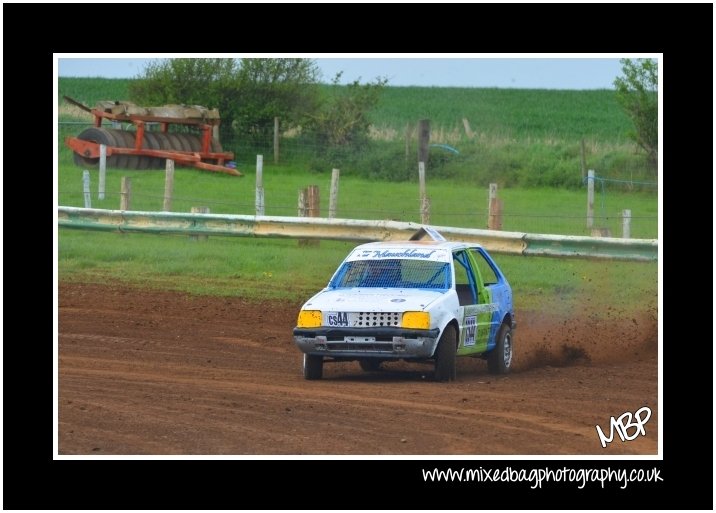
[[374, 319]]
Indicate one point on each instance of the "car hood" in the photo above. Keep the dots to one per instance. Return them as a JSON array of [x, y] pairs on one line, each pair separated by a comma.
[[372, 300]]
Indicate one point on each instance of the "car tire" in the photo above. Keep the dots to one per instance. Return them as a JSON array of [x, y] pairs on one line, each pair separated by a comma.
[[369, 364], [499, 360], [446, 355], [312, 366]]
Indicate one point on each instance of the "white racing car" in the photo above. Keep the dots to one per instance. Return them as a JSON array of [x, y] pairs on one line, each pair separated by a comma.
[[413, 300]]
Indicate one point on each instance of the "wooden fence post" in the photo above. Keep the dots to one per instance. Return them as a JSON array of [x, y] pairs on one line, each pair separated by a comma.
[[313, 205], [333, 198], [468, 130], [425, 210], [408, 133], [301, 202], [86, 188], [259, 185], [626, 224], [275, 140], [168, 185], [423, 139], [125, 194], [309, 205], [590, 198], [494, 210], [199, 210], [424, 202], [102, 170], [583, 159]]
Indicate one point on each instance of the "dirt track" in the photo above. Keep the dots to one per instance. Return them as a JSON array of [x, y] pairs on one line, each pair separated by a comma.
[[147, 372]]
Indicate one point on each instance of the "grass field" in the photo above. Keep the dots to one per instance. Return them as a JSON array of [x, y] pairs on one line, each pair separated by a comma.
[[517, 137], [261, 268], [280, 269], [537, 114], [517, 131], [508, 113], [534, 210], [91, 90]]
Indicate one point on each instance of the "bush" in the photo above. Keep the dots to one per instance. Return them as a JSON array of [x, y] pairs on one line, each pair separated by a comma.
[[340, 122], [248, 93]]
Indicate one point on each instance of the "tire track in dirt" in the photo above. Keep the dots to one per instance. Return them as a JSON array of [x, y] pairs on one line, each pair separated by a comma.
[[227, 381]]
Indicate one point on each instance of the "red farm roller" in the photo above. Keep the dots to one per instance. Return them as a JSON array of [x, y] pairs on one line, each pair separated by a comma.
[[184, 134]]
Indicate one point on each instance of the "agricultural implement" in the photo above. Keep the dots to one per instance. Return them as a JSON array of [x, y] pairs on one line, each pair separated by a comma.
[[142, 148]]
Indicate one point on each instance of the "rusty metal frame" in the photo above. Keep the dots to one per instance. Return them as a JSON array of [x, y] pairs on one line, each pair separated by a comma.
[[90, 149]]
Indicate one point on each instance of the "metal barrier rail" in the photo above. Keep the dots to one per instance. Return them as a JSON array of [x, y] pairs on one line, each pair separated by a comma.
[[515, 243]]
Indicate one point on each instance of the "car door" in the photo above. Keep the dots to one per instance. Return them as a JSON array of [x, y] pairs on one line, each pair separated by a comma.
[[474, 326], [493, 295]]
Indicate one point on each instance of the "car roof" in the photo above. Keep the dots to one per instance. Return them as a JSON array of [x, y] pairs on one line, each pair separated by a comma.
[[447, 245]]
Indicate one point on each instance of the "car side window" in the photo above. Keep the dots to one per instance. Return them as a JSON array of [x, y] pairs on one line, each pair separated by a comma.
[[464, 282], [489, 277]]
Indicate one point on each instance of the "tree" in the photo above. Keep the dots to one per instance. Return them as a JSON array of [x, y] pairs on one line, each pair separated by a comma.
[[268, 88], [342, 118], [248, 93], [637, 93], [187, 81]]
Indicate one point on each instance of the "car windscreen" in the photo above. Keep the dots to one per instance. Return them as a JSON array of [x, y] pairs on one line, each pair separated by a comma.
[[393, 273]]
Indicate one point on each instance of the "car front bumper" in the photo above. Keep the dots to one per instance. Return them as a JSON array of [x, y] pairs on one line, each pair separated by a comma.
[[385, 342]]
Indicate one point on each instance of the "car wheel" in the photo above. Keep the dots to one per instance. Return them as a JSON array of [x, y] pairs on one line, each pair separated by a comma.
[[312, 366], [445, 356], [500, 359], [370, 364]]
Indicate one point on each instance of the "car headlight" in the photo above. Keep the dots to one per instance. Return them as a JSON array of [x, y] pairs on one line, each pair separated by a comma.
[[309, 318], [416, 320]]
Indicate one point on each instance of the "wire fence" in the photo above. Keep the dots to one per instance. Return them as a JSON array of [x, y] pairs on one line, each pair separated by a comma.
[[291, 149], [443, 212], [561, 212], [392, 154]]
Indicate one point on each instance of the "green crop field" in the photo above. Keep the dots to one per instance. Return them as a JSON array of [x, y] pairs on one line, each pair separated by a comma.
[[508, 113], [91, 90], [518, 135], [493, 113]]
